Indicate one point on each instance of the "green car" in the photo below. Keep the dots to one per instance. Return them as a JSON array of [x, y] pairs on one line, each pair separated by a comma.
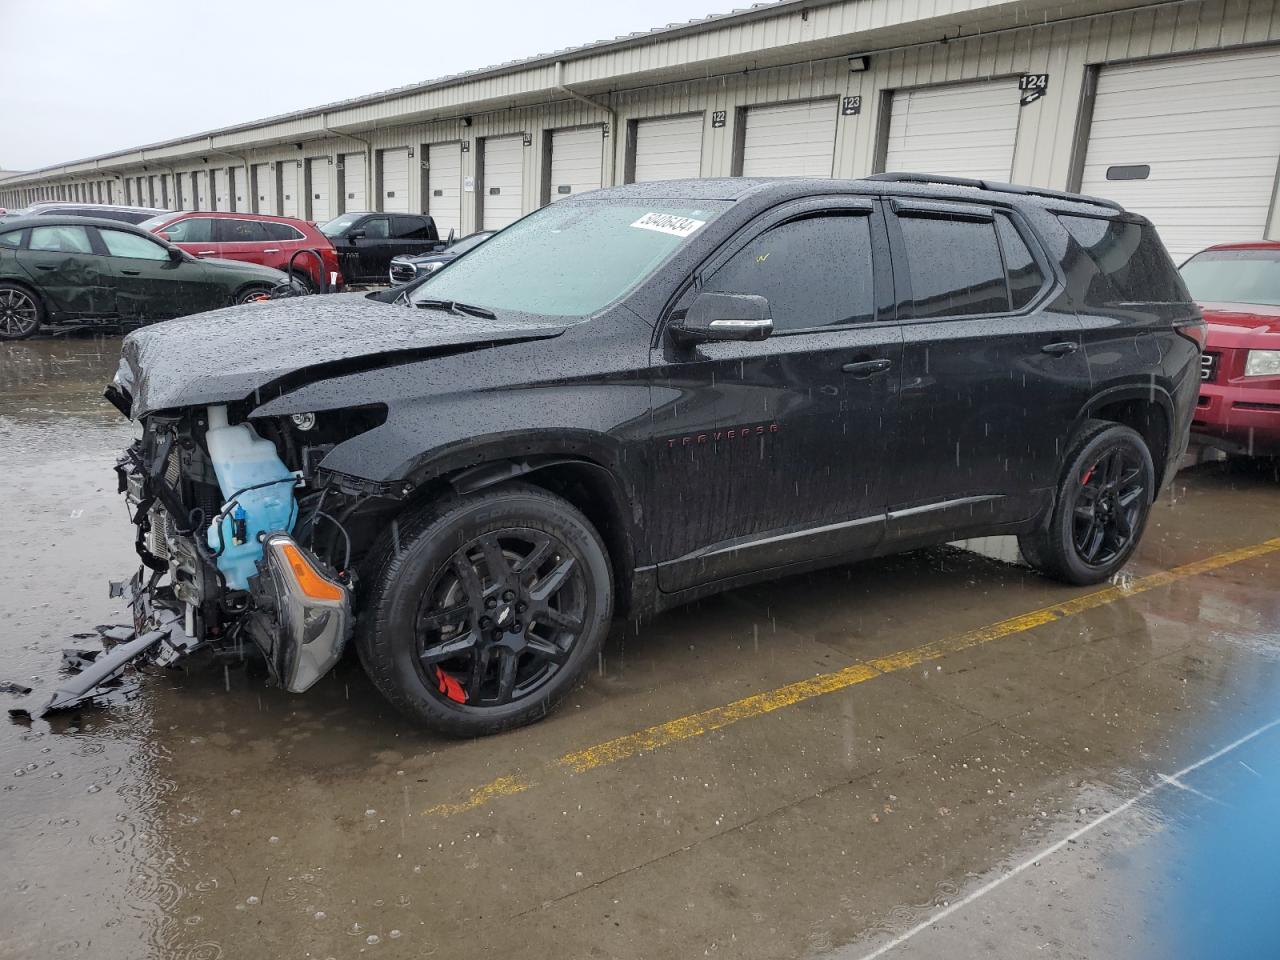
[[72, 269]]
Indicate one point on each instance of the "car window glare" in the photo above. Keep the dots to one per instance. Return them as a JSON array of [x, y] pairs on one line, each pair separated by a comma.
[[61, 239], [1119, 261], [572, 258], [338, 225], [121, 244], [1234, 276]]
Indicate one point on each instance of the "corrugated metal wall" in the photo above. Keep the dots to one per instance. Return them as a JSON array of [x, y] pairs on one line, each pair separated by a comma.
[[1046, 129]]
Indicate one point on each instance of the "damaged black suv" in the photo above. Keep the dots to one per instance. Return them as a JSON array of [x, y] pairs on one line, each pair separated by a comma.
[[640, 396]]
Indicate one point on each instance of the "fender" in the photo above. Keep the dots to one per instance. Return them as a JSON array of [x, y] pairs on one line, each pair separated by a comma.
[[1148, 391]]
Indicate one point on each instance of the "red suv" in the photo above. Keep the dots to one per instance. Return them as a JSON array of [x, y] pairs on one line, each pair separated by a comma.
[[270, 241], [1238, 288]]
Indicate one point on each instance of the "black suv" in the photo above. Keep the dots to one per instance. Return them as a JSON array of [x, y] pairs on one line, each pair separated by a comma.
[[366, 242], [644, 395]]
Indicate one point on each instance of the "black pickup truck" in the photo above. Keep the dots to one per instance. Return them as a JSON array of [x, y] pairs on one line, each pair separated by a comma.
[[632, 399], [367, 241]]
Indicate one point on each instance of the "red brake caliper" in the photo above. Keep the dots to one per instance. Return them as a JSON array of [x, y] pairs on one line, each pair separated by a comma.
[[450, 687]]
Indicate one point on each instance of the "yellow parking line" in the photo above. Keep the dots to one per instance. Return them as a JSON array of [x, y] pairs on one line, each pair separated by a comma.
[[697, 724]]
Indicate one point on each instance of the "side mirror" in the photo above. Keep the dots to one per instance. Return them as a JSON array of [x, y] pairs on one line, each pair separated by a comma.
[[176, 255], [450, 239], [724, 316], [355, 235]]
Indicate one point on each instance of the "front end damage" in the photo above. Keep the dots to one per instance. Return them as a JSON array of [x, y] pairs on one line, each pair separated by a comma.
[[296, 605]]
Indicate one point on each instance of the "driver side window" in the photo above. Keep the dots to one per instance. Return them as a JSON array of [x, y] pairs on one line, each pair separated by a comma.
[[375, 229], [815, 272]]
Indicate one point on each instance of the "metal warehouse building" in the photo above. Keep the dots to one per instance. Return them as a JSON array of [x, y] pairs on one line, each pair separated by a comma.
[[1172, 108]]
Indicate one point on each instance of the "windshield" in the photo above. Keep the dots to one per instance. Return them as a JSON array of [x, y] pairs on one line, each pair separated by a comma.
[[1234, 276], [570, 259], [152, 223], [339, 224]]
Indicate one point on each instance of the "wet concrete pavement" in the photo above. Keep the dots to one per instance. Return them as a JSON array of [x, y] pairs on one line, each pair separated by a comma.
[[214, 816]]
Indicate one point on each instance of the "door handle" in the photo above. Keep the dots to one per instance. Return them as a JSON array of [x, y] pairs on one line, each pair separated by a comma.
[[205, 253], [45, 266], [867, 368], [272, 250], [131, 273], [1060, 349]]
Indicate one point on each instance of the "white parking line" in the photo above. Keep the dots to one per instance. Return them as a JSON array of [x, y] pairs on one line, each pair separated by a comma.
[[1075, 835]]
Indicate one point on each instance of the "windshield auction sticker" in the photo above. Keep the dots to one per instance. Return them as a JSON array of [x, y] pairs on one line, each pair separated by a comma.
[[668, 223]]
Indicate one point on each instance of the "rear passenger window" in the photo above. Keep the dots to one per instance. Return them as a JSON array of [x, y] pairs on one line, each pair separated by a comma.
[[410, 228], [954, 267], [1025, 278], [814, 272], [192, 230], [10, 239], [66, 239], [1119, 261], [239, 231], [281, 231]]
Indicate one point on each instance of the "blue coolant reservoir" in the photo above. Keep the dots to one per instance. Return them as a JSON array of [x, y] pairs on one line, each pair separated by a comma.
[[243, 460]]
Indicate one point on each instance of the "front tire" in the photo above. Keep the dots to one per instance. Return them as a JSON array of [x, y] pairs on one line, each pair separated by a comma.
[[252, 294], [1101, 508], [484, 611], [21, 312]]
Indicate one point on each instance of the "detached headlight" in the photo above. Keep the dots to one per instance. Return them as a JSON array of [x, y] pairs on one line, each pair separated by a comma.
[[1262, 363]]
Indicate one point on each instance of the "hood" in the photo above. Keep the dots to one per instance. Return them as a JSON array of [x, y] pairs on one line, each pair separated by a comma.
[[1262, 317], [417, 259], [225, 355]]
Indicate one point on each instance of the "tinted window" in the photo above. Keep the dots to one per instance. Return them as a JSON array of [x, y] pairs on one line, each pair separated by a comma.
[[121, 244], [814, 272], [1119, 261], [281, 231], [375, 229], [1025, 278], [60, 239], [954, 267], [194, 230], [239, 231], [1230, 276], [10, 239], [411, 228]]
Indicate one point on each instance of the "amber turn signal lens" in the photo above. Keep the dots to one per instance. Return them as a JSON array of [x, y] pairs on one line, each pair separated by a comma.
[[313, 585]]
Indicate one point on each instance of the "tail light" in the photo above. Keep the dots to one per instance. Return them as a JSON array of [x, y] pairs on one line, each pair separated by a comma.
[[1197, 331]]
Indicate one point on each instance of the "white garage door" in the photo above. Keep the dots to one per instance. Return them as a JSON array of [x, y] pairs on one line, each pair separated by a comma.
[[1199, 139], [318, 183], [262, 184], [289, 205], [395, 181], [503, 181], [791, 140], [354, 193], [576, 159], [240, 190], [153, 183], [444, 187], [961, 130], [668, 149], [166, 192], [202, 190], [221, 194]]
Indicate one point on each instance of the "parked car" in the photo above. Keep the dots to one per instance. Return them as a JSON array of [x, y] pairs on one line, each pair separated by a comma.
[[407, 267], [253, 238], [656, 392], [1238, 288], [56, 269], [366, 242], [103, 211]]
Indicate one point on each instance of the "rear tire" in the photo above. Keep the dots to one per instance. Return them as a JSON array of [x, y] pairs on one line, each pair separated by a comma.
[[1103, 500], [21, 312], [252, 293], [484, 611]]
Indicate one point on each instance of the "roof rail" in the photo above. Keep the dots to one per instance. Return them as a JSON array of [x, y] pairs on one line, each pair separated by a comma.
[[995, 186]]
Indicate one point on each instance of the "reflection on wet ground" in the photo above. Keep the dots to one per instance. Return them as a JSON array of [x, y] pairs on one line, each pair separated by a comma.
[[213, 816]]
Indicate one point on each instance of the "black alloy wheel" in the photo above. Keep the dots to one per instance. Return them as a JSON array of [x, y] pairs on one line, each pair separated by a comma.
[[480, 613], [1110, 501], [20, 313], [501, 618], [1100, 507]]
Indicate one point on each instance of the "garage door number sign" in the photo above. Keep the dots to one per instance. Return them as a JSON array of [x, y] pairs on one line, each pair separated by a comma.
[[1033, 86]]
